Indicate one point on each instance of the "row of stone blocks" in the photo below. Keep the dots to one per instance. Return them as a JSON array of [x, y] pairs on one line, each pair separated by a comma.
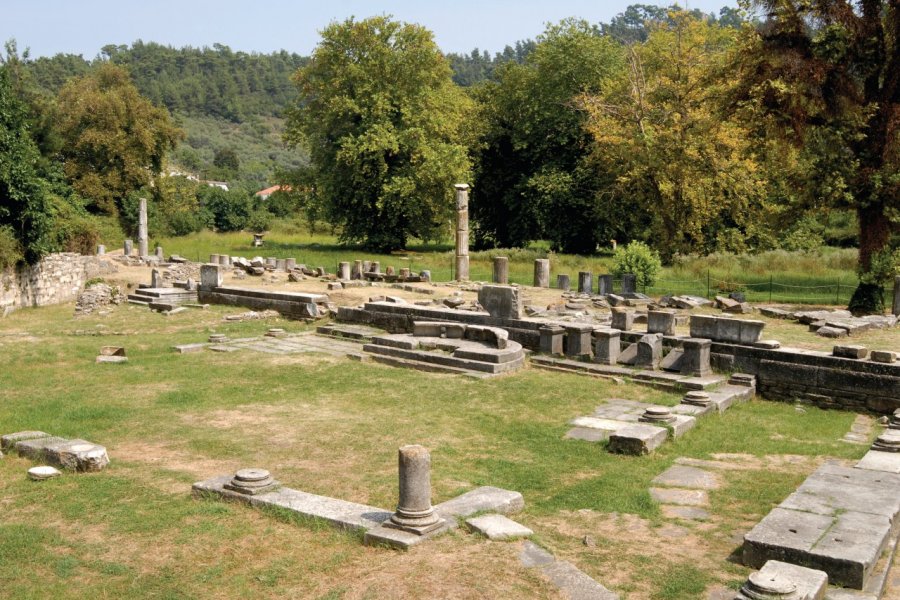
[[74, 455]]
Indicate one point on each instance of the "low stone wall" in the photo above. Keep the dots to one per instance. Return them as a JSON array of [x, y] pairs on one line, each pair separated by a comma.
[[290, 304], [56, 279]]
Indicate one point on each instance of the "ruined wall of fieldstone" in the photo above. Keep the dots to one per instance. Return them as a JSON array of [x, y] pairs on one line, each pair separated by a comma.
[[56, 279]]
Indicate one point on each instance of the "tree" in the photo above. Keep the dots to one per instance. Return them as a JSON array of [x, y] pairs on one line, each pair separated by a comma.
[[384, 125], [533, 178], [23, 202], [680, 161], [113, 139], [826, 77], [227, 159]]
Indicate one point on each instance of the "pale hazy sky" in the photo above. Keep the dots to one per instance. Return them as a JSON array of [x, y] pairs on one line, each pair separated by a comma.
[[84, 26]]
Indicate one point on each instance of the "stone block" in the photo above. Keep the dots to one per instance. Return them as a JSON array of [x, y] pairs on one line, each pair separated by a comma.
[[498, 527], [679, 497], [883, 356], [563, 283], [77, 455], [585, 282], [501, 270], [629, 284], [649, 351], [210, 277], [552, 339], [604, 285], [542, 272], [876, 460], [607, 346], [622, 319], [661, 321], [850, 351], [637, 439], [703, 326], [685, 476], [578, 340], [482, 499], [36, 448], [500, 301], [8, 441], [696, 357]]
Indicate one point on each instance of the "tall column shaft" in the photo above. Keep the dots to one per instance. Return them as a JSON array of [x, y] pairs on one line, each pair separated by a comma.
[[143, 250], [462, 231]]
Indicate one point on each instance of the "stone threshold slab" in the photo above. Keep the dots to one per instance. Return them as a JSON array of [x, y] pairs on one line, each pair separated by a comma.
[[641, 376]]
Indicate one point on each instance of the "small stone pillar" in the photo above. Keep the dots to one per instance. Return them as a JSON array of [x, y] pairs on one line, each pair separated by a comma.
[[578, 340], [224, 260], [661, 321], [462, 231], [585, 282], [629, 283], [649, 351], [425, 275], [389, 270], [542, 272], [501, 270], [356, 270], [142, 228], [414, 511], [604, 284], [155, 279], [552, 339], [607, 346], [129, 247], [210, 277], [404, 273], [344, 271], [159, 253], [375, 267], [896, 307], [280, 265], [562, 283], [271, 262], [695, 360], [213, 259], [622, 319], [289, 264], [101, 250]]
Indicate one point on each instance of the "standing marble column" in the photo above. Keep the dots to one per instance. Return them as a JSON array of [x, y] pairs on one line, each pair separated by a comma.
[[462, 231], [143, 250], [414, 511], [542, 272], [501, 270]]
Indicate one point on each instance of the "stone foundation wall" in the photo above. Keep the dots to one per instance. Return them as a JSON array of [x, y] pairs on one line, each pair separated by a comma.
[[56, 279]]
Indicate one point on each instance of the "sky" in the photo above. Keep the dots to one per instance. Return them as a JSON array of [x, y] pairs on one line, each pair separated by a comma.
[[49, 27]]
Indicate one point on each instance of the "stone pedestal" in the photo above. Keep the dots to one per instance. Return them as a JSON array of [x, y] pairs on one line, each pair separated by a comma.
[[695, 360], [607, 345], [159, 253], [462, 231], [552, 339], [356, 270], [542, 272], [101, 250], [562, 283], [425, 275], [129, 247], [622, 319], [213, 259], [375, 267], [896, 307], [500, 301], [649, 351], [289, 264], [414, 511], [224, 260], [210, 277], [661, 321], [404, 273], [344, 271], [142, 228], [501, 270], [604, 284], [578, 340], [155, 279], [629, 283], [585, 282]]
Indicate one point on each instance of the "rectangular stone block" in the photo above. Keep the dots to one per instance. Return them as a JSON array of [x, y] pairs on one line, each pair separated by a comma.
[[751, 331], [703, 326], [210, 277], [482, 499], [696, 358], [622, 319], [500, 301], [585, 282], [629, 283], [8, 441], [607, 346], [661, 321], [637, 439], [850, 351], [578, 340], [604, 284], [552, 339]]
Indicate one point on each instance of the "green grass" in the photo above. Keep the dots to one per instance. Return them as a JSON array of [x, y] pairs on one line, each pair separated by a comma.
[[332, 427], [826, 276]]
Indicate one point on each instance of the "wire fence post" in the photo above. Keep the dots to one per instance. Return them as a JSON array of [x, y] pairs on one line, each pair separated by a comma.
[[771, 282], [837, 294], [707, 284]]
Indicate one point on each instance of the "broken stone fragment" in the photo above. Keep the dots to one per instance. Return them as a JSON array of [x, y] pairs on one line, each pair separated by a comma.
[[43, 473]]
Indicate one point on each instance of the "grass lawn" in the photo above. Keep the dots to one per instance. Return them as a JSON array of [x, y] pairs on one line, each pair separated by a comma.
[[332, 426]]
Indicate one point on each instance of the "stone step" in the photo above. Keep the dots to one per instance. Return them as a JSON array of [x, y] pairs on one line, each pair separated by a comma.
[[143, 301], [443, 359], [655, 379], [349, 332], [424, 366]]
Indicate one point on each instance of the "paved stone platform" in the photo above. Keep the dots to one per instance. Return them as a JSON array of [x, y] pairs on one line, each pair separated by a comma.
[[297, 343], [839, 520], [571, 581]]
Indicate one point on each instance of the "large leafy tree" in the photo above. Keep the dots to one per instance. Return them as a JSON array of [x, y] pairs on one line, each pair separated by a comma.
[[534, 177], [113, 139], [678, 160], [385, 127], [24, 214], [825, 76]]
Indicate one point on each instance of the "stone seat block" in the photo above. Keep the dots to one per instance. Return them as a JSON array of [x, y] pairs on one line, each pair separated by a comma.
[[9, 440], [485, 498], [498, 527], [637, 439]]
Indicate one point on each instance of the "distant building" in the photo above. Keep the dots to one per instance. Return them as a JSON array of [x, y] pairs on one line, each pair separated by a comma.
[[219, 184], [264, 194]]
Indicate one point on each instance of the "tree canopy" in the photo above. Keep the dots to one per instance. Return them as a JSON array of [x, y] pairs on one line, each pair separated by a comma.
[[113, 140], [384, 126]]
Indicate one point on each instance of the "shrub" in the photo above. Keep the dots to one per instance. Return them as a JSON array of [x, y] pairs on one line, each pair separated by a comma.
[[259, 221], [10, 248], [230, 210], [640, 259]]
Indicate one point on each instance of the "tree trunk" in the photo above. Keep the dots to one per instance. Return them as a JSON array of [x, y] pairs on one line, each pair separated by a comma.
[[874, 236]]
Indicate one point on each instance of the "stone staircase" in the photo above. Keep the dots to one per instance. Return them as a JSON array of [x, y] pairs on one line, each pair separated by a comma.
[[163, 297]]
